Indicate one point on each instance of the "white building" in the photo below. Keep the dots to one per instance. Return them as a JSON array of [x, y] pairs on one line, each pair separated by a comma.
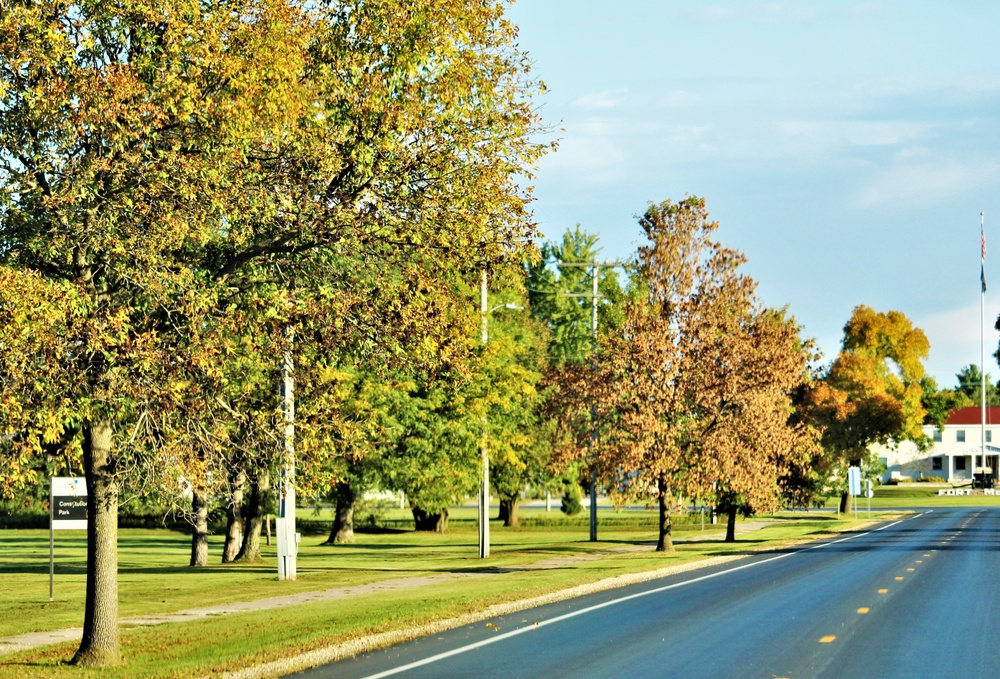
[[951, 456]]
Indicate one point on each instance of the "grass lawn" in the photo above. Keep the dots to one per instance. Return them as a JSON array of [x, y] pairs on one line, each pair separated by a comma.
[[153, 578], [907, 495]]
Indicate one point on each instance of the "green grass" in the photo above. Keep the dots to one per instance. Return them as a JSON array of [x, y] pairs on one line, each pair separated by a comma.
[[906, 495], [154, 579]]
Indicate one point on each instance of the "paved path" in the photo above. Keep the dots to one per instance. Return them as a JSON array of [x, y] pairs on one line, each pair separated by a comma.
[[36, 639]]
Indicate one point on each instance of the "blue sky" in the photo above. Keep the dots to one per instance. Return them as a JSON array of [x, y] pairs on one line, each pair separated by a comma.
[[846, 147]]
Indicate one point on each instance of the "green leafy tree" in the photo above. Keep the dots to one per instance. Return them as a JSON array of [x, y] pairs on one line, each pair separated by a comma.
[[939, 403], [435, 454], [970, 383], [569, 319], [163, 160], [512, 367], [559, 298]]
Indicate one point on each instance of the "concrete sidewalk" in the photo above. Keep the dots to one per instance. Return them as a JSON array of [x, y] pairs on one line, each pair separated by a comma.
[[37, 639]]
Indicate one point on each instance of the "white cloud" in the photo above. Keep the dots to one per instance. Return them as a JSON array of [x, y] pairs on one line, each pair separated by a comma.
[[825, 134], [954, 335], [679, 99], [925, 181], [600, 100], [588, 159]]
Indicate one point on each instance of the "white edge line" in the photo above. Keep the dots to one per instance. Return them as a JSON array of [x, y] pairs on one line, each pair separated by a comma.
[[612, 602]]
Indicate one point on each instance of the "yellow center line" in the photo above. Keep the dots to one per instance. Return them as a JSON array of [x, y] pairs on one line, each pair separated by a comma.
[[863, 610], [883, 591], [920, 561], [899, 577], [827, 639], [911, 569]]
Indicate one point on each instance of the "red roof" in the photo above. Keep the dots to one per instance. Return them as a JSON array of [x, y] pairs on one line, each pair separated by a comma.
[[972, 415]]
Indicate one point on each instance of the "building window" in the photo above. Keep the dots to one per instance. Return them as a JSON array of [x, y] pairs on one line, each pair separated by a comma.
[[989, 436], [960, 464], [936, 435], [936, 463], [960, 436]]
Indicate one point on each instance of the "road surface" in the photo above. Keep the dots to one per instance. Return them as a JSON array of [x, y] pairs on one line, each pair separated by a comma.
[[913, 598]]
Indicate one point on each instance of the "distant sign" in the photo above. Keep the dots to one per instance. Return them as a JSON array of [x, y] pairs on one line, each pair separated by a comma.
[[69, 503], [854, 480]]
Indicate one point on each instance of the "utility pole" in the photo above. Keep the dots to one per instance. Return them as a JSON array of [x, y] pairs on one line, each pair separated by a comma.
[[594, 295], [484, 488]]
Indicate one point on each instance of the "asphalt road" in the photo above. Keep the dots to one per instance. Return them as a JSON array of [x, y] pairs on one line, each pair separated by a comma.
[[916, 598]]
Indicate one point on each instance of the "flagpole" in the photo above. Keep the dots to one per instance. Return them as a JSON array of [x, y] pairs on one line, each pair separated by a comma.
[[982, 334]]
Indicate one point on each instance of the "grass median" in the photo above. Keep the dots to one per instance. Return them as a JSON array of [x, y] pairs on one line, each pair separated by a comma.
[[155, 580]]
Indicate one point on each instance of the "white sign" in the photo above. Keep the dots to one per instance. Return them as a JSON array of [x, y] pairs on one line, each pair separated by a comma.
[[69, 503], [854, 480]]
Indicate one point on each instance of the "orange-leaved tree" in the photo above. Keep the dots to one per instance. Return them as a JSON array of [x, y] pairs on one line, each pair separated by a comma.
[[690, 397], [872, 393]]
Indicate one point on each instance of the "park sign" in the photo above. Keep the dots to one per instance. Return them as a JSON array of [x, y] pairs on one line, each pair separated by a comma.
[[68, 503], [67, 511]]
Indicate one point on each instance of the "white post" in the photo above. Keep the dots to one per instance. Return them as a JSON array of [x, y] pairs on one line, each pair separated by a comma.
[[285, 523], [484, 487]]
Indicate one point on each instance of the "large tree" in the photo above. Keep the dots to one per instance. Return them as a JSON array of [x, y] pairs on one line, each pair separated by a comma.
[[873, 391], [692, 394], [162, 160]]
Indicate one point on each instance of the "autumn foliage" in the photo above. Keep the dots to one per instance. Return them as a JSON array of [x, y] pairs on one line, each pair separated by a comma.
[[691, 397], [873, 392]]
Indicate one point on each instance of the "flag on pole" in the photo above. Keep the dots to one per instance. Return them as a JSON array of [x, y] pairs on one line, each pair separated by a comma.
[[982, 244]]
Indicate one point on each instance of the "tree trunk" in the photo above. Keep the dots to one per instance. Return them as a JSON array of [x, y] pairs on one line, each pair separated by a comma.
[[234, 516], [508, 511], [100, 645], [259, 489], [664, 540], [430, 522], [845, 503], [342, 531], [199, 528], [731, 525]]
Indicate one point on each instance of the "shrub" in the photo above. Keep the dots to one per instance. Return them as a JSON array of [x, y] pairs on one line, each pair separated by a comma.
[[572, 494]]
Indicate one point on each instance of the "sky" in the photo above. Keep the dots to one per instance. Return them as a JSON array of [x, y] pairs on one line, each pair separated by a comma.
[[847, 148]]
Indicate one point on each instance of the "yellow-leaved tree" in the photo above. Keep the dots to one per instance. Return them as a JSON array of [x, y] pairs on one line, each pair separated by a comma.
[[873, 391], [173, 171]]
